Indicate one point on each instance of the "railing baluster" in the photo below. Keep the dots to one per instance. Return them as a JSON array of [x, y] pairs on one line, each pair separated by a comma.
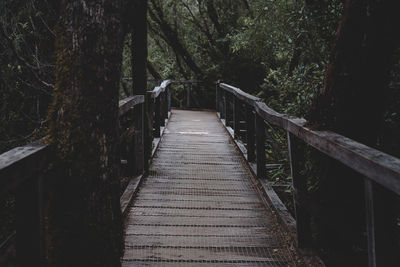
[[304, 237], [223, 111], [169, 98], [236, 120], [139, 139], [163, 103], [250, 134], [29, 223], [217, 98], [157, 117], [370, 221], [260, 142], [188, 87]]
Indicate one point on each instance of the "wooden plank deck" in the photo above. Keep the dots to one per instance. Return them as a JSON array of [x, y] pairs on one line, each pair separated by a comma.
[[198, 206]]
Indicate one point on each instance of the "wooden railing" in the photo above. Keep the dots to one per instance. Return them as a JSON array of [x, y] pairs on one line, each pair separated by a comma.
[[159, 106], [22, 171], [376, 167]]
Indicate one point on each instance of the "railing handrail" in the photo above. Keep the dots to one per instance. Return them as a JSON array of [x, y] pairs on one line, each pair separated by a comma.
[[248, 98], [159, 89], [19, 164], [376, 165], [127, 103]]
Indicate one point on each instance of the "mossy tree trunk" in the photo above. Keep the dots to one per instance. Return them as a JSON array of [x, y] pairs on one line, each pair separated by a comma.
[[85, 222], [353, 103]]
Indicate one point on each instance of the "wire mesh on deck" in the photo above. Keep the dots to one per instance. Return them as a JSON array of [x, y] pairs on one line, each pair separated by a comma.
[[198, 207]]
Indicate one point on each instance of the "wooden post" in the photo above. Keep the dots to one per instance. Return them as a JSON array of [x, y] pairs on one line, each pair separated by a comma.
[[236, 119], [157, 117], [304, 238], [223, 111], [29, 223], [250, 125], [166, 108], [370, 221], [169, 98], [229, 110], [163, 104], [139, 139], [217, 108], [151, 107], [188, 87], [260, 140]]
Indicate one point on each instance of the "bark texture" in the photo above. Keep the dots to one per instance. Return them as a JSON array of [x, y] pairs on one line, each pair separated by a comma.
[[352, 103], [85, 218], [139, 69]]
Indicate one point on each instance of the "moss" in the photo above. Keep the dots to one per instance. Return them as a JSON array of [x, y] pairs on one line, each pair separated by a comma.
[[84, 214]]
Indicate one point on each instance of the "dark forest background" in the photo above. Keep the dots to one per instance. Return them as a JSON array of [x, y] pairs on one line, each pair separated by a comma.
[[335, 63]]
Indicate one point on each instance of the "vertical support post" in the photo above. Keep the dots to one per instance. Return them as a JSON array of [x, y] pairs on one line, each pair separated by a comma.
[[217, 98], [188, 88], [250, 138], [166, 108], [228, 109], [370, 221], [169, 98], [236, 119], [223, 111], [163, 104], [304, 237], [148, 127], [150, 107], [139, 139], [157, 117], [29, 223], [260, 142]]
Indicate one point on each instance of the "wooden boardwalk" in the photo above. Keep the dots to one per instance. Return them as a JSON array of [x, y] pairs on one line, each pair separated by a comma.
[[199, 206]]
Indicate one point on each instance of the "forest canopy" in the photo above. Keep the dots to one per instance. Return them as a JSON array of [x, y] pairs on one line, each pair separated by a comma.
[[278, 50], [335, 63]]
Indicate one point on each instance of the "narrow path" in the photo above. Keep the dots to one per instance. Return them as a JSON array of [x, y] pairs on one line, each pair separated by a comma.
[[198, 207]]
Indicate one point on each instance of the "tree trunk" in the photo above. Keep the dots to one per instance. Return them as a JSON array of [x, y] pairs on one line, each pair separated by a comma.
[[139, 69], [352, 103], [85, 222]]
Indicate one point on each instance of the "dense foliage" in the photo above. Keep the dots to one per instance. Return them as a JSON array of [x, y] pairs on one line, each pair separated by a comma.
[[278, 50]]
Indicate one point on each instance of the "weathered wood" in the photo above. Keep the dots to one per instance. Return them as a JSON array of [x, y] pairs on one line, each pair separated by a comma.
[[224, 104], [186, 81], [138, 143], [157, 117], [168, 99], [188, 95], [198, 203], [20, 163], [159, 89], [299, 182], [188, 241], [127, 103], [236, 119], [163, 103], [374, 164], [229, 98], [250, 134], [260, 143], [29, 223], [370, 221], [245, 97], [217, 98], [129, 193]]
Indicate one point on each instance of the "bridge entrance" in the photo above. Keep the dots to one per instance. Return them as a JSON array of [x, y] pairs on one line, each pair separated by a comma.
[[199, 205]]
